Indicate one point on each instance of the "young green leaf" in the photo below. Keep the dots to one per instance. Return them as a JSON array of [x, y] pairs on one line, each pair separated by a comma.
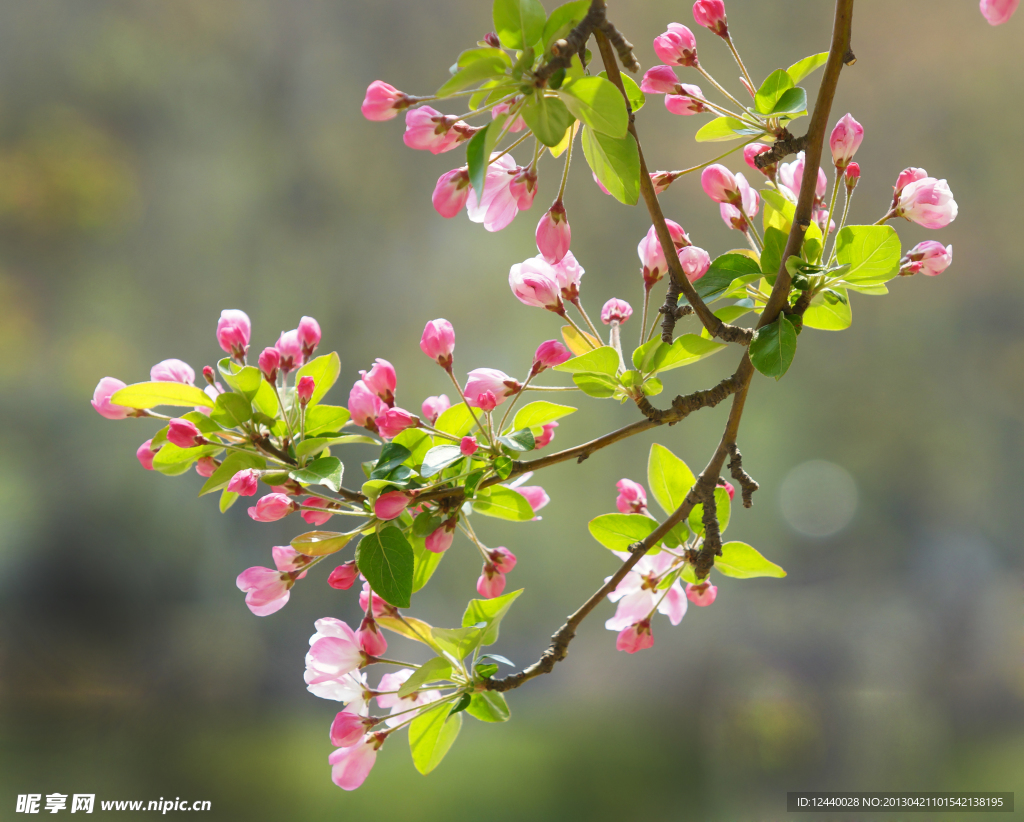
[[669, 477], [438, 458], [431, 734], [722, 129], [595, 102], [491, 612], [771, 256], [436, 669], [518, 23], [324, 371], [563, 20], [618, 531], [417, 442], [325, 419], [871, 251], [604, 360], [245, 380], [152, 394], [547, 117], [489, 706], [616, 162], [633, 93], [503, 503], [792, 101], [457, 421], [386, 560], [320, 543], [724, 271], [773, 347], [233, 463], [326, 471], [802, 68], [539, 413], [391, 456], [485, 67], [595, 385], [521, 440], [231, 410], [741, 561], [828, 316], [771, 91], [656, 356], [425, 563]]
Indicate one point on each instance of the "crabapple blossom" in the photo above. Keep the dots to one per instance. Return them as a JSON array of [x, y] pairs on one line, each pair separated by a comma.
[[287, 559], [845, 140], [691, 101], [266, 590], [632, 498], [365, 406], [719, 184], [468, 446], [702, 594], [205, 466], [547, 434], [695, 262], [549, 354], [677, 46], [438, 342], [401, 706], [434, 407], [502, 108], [524, 187], [927, 202], [272, 507], [711, 15], [451, 192], [233, 332], [491, 582], [660, 80], [535, 495], [245, 483], [638, 595], [381, 380], [333, 650], [394, 421], [553, 233], [105, 389], [930, 258], [635, 637], [145, 453], [430, 130], [383, 102], [568, 273], [304, 389], [289, 346], [652, 256], [502, 559], [751, 152], [730, 489], [390, 505], [498, 383], [316, 517], [498, 206], [269, 362], [344, 576], [905, 178], [309, 336], [616, 310], [348, 728], [487, 401], [371, 640], [380, 607], [997, 12], [533, 282], [852, 176], [173, 371], [183, 433], [791, 177], [208, 375], [349, 688], [440, 539]]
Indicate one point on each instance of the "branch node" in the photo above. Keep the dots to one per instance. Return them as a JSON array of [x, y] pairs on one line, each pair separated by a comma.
[[747, 484]]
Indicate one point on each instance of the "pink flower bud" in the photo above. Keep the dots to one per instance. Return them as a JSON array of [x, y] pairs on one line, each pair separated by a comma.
[[382, 102], [998, 12], [791, 177], [182, 433], [908, 176], [711, 15], [502, 559], [438, 342], [751, 151], [390, 505], [394, 421], [350, 766], [440, 539], [365, 406], [568, 273], [930, 258], [208, 375], [695, 262], [535, 495], [451, 192], [547, 434], [632, 498], [233, 331], [266, 590], [498, 383], [677, 46], [652, 256], [172, 371], [702, 594], [105, 389], [487, 401], [845, 140], [927, 202], [304, 389], [371, 640], [245, 483], [272, 507], [348, 728], [730, 489], [852, 175], [662, 180], [691, 101], [468, 446], [434, 407], [491, 582], [309, 336], [660, 80], [553, 233], [289, 346], [430, 130], [733, 217], [205, 466], [720, 184], [635, 637], [344, 576], [269, 363], [287, 559], [524, 187], [380, 607], [316, 517], [616, 310], [145, 455], [502, 108], [381, 380], [549, 354], [534, 283]]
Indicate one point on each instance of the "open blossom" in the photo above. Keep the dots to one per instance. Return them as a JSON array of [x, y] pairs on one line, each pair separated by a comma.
[[183, 433], [695, 262], [635, 637], [845, 140], [568, 273], [451, 192], [491, 582], [677, 46], [434, 407], [272, 507], [549, 354], [266, 590], [344, 576], [535, 495], [534, 283], [245, 483], [438, 342], [333, 650], [547, 434], [394, 421], [616, 310], [316, 517], [173, 371], [690, 101], [381, 380], [553, 233], [652, 256], [524, 187], [998, 12], [269, 362], [498, 206], [349, 688], [105, 389], [371, 640], [660, 80], [430, 130], [638, 596], [383, 102], [702, 594], [233, 332], [632, 498], [930, 258], [498, 383], [390, 505], [365, 406], [145, 455], [711, 15], [927, 202], [791, 176]]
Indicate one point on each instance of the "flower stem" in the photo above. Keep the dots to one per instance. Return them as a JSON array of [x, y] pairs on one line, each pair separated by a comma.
[[472, 413], [739, 60]]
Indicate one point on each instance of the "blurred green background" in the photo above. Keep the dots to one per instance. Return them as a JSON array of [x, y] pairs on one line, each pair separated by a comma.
[[163, 159]]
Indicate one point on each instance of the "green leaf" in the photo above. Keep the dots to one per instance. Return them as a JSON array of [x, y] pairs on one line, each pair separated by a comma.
[[321, 543], [461, 705], [792, 101], [391, 456], [656, 356], [778, 212], [231, 410], [227, 499], [633, 93], [438, 458], [386, 560], [436, 669], [265, 400], [618, 531], [771, 91], [152, 394], [595, 385], [521, 440], [485, 67], [245, 380], [595, 102], [563, 20], [547, 117], [826, 316], [540, 412], [871, 251], [741, 561], [722, 129], [325, 418], [604, 360], [723, 510], [417, 442], [491, 612], [720, 276], [518, 23], [431, 734], [233, 463], [478, 153], [669, 477], [489, 706], [424, 564], [487, 53], [326, 471], [171, 455], [503, 503], [771, 256], [457, 421], [616, 162], [503, 466], [773, 347], [324, 371], [802, 68], [314, 445]]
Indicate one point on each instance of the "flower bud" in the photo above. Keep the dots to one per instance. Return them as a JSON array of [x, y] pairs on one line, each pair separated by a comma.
[[390, 505], [997, 12], [702, 594], [635, 637], [468, 446], [205, 466], [430, 130], [490, 380], [927, 202], [440, 539], [547, 434], [711, 15], [751, 152], [316, 517], [287, 559], [492, 40], [660, 80], [434, 407], [344, 576], [208, 375], [348, 728], [381, 380], [616, 310], [852, 176], [245, 483], [929, 257], [568, 273], [695, 262], [172, 371], [845, 140], [233, 331], [549, 354], [553, 233], [289, 347], [365, 406], [535, 495], [524, 187], [269, 363], [907, 176], [730, 489], [534, 283], [272, 507], [502, 559], [309, 336], [677, 46], [691, 101], [145, 455], [379, 608], [438, 342], [652, 256], [183, 433], [350, 766], [491, 582], [105, 389], [486, 401], [371, 640], [632, 498], [304, 389], [383, 102], [661, 180], [720, 184], [451, 192], [394, 421]]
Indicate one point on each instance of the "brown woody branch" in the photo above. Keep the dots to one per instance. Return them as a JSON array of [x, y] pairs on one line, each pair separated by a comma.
[[683, 406], [576, 40], [787, 144], [746, 482]]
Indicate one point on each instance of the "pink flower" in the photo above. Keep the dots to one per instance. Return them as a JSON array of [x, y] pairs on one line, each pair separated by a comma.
[[182, 433], [269, 363], [711, 15], [549, 354], [907, 176], [730, 489], [172, 371], [677, 46], [998, 12], [382, 102], [381, 380], [502, 559], [535, 495], [791, 177], [245, 483], [635, 637], [632, 498], [287, 559], [616, 310], [380, 607], [105, 389], [502, 108], [304, 389], [524, 187], [371, 640], [702, 594], [430, 130], [929, 257], [695, 262], [534, 283], [660, 80], [440, 539], [348, 728], [333, 650], [720, 184], [845, 140], [272, 507], [401, 705], [205, 466], [451, 192], [751, 151], [491, 582], [638, 596], [390, 505], [316, 517], [364, 406], [927, 202], [289, 346], [487, 401], [690, 102], [498, 207], [145, 454], [233, 331], [468, 446], [568, 273], [434, 407], [852, 175], [344, 576], [394, 421], [652, 256], [266, 590], [438, 342], [553, 233], [309, 336], [733, 217], [350, 688], [547, 434], [498, 383]]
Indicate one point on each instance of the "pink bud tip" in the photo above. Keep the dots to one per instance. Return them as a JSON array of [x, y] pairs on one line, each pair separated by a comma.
[[547, 434], [711, 15], [677, 46], [845, 140], [553, 233], [381, 380], [997, 12], [751, 152], [289, 346], [451, 192], [468, 446], [549, 354], [145, 455], [347, 729], [502, 559], [209, 376], [182, 433], [390, 505], [489, 381], [534, 282], [434, 407], [371, 640], [730, 489], [440, 539], [245, 483], [616, 310], [309, 336], [660, 80], [852, 175], [172, 371], [491, 583], [383, 102], [344, 576], [930, 258], [394, 421], [205, 466], [105, 389], [304, 389], [233, 332], [535, 495], [719, 184], [632, 498], [635, 638], [695, 262], [272, 507], [269, 362], [702, 594], [438, 342]]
